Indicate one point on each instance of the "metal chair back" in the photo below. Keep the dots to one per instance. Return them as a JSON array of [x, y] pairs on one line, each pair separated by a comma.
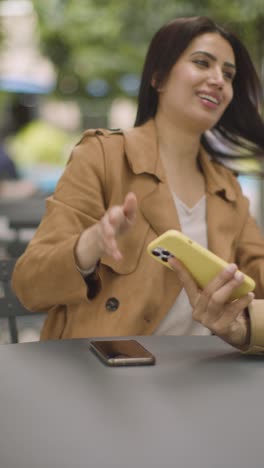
[[10, 307]]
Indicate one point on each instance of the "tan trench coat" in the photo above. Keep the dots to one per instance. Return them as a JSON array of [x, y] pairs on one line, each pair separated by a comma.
[[136, 293]]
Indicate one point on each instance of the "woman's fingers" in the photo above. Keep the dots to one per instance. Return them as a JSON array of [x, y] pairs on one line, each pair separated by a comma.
[[211, 307], [186, 279], [212, 301], [130, 207], [115, 216], [220, 318], [108, 234], [215, 286], [115, 221], [224, 283], [234, 309], [219, 290], [233, 324], [221, 286], [222, 295], [123, 216]]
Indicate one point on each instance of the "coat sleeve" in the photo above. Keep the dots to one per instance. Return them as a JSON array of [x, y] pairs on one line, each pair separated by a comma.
[[46, 274], [256, 316], [250, 259]]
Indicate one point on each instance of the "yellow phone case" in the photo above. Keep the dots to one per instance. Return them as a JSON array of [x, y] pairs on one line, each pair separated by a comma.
[[200, 262]]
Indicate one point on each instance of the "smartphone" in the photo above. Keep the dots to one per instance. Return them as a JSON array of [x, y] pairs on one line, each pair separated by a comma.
[[122, 353], [200, 262]]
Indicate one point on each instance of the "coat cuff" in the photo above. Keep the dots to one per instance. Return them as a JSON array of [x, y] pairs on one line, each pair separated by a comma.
[[93, 282], [256, 317]]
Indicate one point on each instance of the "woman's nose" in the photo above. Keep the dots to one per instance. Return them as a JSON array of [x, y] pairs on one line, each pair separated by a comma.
[[216, 78]]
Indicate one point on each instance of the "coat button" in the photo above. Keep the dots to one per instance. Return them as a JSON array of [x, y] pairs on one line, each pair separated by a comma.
[[112, 304]]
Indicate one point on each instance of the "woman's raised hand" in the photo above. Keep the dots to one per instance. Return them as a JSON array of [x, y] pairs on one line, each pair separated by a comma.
[[117, 220], [211, 308], [101, 238]]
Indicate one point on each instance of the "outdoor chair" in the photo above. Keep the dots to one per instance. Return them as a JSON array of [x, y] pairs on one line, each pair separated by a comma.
[[22, 216], [10, 307]]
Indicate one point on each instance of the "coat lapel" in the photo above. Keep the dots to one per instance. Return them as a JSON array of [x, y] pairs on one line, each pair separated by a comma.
[[221, 208], [221, 224], [156, 205], [159, 209]]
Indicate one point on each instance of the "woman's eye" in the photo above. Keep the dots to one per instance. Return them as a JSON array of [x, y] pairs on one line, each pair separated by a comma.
[[229, 75], [202, 63]]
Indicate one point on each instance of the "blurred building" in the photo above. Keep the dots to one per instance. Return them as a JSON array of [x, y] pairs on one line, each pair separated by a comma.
[[22, 68], [24, 72]]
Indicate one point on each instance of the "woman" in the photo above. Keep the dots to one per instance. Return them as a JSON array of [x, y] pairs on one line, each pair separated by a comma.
[[87, 264]]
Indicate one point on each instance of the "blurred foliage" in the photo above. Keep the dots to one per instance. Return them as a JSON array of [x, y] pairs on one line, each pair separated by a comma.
[[40, 142], [91, 39]]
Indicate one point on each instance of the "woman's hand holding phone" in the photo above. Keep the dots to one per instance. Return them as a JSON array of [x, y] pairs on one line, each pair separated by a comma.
[[217, 291], [228, 320]]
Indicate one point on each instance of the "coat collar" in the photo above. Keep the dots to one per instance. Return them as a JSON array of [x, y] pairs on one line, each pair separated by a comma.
[[141, 146], [216, 177]]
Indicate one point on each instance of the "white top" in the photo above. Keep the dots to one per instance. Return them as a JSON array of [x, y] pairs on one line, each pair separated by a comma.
[[179, 320]]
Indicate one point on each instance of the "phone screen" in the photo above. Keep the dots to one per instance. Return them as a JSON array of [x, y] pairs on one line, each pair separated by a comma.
[[122, 352]]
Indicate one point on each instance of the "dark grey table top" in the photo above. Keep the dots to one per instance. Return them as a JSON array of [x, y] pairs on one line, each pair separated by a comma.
[[201, 405]]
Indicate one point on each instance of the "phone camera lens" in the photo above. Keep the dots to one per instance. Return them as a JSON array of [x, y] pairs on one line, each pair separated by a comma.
[[166, 253], [164, 259], [156, 252]]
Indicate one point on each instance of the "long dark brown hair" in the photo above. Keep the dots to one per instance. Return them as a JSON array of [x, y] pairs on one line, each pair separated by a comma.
[[240, 131]]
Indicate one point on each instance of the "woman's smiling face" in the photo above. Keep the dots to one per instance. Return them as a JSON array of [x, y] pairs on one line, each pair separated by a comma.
[[200, 84]]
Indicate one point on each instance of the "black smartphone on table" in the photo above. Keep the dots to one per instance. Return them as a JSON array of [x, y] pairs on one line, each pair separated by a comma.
[[122, 353]]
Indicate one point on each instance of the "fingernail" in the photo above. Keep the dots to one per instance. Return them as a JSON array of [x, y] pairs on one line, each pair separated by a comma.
[[239, 276], [251, 295], [172, 262], [231, 268]]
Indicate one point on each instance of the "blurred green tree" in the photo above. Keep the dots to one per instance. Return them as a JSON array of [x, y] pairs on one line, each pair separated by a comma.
[[100, 39]]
